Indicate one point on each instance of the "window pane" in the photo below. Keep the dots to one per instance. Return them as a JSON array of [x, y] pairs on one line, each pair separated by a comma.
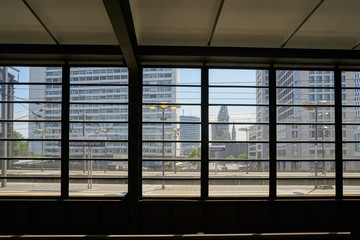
[[351, 187], [171, 76], [222, 95], [98, 169], [306, 188], [173, 132], [98, 112], [241, 151], [238, 188], [23, 149], [306, 132], [237, 132], [172, 169], [171, 150], [98, 187], [305, 114], [351, 114], [110, 94], [305, 151], [238, 77], [30, 187], [304, 169], [288, 78], [239, 114], [305, 96], [166, 94], [98, 131], [171, 188], [98, 75], [171, 113], [98, 149], [237, 169], [30, 168]]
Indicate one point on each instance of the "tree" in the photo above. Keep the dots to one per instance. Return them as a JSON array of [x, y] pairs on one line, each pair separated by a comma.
[[195, 153], [230, 157], [243, 156], [20, 148]]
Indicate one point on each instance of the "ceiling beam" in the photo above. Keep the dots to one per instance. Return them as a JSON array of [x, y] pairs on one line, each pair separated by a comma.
[[216, 22], [302, 23], [40, 21], [46, 49], [246, 52], [119, 13]]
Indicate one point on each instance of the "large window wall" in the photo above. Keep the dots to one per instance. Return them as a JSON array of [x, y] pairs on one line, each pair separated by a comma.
[[205, 132]]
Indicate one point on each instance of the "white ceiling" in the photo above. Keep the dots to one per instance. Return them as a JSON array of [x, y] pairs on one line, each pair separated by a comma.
[[241, 23]]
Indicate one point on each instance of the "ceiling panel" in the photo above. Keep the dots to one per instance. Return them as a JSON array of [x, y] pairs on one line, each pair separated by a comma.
[[260, 23], [19, 26], [76, 21], [335, 25], [174, 22]]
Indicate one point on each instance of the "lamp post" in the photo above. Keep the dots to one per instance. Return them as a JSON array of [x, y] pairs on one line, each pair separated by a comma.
[[163, 107], [247, 130], [42, 132], [104, 130], [322, 102], [176, 131]]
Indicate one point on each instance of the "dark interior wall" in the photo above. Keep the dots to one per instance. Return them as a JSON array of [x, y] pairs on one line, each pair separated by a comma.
[[111, 217]]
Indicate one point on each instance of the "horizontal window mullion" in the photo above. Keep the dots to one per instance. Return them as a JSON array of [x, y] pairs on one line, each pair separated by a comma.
[[30, 158], [237, 141], [99, 85], [171, 159], [236, 86], [240, 105], [97, 103], [170, 178], [170, 85], [35, 102], [31, 83], [29, 121], [171, 141], [30, 177], [95, 140], [96, 178], [168, 123], [30, 139], [170, 104], [236, 160]]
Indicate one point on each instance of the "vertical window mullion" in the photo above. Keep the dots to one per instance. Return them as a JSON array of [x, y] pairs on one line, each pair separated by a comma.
[[204, 133], [135, 134], [65, 131], [338, 134], [272, 132]]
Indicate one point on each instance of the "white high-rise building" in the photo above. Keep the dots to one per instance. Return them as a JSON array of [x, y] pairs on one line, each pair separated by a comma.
[[100, 95]]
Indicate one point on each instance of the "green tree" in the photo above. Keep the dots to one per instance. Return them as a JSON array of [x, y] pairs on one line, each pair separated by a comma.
[[20, 148], [243, 156], [195, 153], [230, 157]]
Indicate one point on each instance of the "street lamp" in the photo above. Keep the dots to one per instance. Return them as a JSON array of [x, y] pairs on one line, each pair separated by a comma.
[[176, 131], [316, 108], [104, 130], [42, 132], [163, 107], [247, 130]]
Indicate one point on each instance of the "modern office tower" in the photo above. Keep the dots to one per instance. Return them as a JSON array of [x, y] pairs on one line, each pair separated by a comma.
[[189, 132], [7, 112], [318, 123], [89, 101]]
